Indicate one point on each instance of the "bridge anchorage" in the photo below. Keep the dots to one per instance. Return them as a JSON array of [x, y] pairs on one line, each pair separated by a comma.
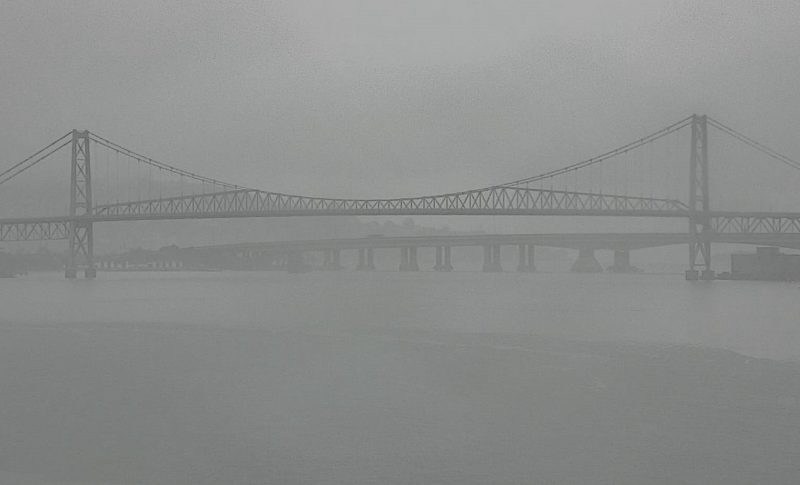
[[109, 182]]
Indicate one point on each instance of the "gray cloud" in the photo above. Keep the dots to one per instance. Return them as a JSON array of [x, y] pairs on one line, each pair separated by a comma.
[[389, 98]]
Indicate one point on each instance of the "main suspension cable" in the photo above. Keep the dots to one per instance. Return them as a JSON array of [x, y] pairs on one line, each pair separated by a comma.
[[17, 165], [161, 165], [8, 175], [605, 156], [754, 144]]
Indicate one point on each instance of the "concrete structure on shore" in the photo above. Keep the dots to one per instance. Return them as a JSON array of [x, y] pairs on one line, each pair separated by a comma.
[[768, 263]]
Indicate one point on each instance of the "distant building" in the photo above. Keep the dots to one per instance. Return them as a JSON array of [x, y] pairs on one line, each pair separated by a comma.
[[768, 263]]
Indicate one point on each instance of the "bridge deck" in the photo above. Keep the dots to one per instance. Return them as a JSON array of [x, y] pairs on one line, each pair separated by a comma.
[[612, 241]]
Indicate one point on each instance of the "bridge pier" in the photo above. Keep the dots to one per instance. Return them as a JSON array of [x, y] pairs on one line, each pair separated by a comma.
[[295, 262], [526, 258], [622, 262], [408, 259], [443, 263], [586, 262], [89, 273], [266, 260], [366, 259], [332, 259], [704, 275], [448, 265], [413, 264], [491, 259], [279, 261]]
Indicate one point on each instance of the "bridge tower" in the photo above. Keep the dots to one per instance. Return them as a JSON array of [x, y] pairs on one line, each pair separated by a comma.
[[81, 236], [699, 204]]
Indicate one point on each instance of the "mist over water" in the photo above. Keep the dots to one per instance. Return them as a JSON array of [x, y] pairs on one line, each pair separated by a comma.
[[753, 318], [352, 377]]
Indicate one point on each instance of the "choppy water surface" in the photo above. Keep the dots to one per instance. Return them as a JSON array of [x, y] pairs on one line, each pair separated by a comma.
[[345, 377]]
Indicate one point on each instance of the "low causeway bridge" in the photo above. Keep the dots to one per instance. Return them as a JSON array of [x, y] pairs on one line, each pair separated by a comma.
[[289, 255]]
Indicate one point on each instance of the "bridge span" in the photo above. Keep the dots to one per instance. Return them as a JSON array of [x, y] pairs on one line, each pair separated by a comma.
[[601, 186], [289, 254]]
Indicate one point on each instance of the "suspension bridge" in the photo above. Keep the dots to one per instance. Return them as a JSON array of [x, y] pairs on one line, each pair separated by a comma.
[[651, 177]]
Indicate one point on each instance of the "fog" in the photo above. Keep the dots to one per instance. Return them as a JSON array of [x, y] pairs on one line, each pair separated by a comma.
[[474, 346], [376, 99]]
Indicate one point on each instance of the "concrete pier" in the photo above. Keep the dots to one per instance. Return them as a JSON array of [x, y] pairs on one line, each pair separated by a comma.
[[295, 262], [332, 259], [443, 259], [408, 259], [491, 259], [622, 263], [705, 275], [448, 265], [88, 273], [366, 259], [526, 264], [443, 263], [586, 262]]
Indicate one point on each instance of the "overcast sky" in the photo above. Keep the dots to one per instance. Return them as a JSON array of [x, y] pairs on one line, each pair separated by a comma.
[[380, 98]]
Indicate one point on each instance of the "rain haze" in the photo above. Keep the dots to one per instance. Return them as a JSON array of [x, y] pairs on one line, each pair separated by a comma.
[[526, 242]]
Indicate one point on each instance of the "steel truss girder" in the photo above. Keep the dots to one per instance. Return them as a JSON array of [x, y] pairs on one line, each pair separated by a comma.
[[493, 200], [755, 223], [34, 231]]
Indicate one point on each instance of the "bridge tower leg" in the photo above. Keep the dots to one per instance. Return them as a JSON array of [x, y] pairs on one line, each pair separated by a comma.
[[700, 229], [81, 233]]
